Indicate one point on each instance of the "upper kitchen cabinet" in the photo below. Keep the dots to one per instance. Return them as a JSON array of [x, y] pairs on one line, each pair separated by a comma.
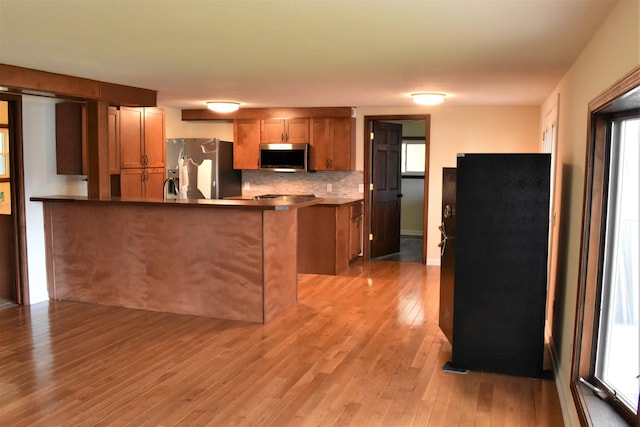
[[284, 131], [142, 137], [131, 140], [71, 138], [142, 152], [154, 137], [246, 143], [333, 142]]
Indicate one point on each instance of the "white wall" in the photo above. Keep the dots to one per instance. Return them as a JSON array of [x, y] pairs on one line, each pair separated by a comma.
[[477, 129], [412, 206], [40, 179], [613, 52]]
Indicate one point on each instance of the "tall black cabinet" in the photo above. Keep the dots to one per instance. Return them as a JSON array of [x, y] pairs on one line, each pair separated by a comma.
[[502, 230]]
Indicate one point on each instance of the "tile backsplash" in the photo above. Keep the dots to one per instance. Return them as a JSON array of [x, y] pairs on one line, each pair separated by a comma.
[[343, 184]]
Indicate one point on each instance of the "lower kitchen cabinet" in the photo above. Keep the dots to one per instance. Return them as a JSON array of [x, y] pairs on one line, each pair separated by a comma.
[[355, 231], [142, 183], [329, 236]]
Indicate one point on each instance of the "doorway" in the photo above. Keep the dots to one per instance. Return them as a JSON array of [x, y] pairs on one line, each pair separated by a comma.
[[371, 175], [14, 287]]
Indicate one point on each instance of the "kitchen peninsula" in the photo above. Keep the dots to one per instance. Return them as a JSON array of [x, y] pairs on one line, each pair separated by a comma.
[[228, 259]]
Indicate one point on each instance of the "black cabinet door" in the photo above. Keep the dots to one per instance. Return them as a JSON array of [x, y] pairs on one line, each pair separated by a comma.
[[501, 263]]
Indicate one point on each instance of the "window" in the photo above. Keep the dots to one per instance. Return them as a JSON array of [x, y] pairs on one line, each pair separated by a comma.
[[4, 153], [607, 347], [413, 153], [617, 357]]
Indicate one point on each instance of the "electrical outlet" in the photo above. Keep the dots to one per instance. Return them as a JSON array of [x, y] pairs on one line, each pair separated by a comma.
[[360, 188], [329, 188], [246, 185]]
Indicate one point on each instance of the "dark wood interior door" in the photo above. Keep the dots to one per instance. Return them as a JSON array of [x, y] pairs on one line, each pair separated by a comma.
[[447, 251], [7, 258], [387, 182]]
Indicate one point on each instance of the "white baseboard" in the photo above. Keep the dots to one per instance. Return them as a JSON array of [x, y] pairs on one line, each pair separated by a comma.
[[566, 400], [411, 232], [433, 261]]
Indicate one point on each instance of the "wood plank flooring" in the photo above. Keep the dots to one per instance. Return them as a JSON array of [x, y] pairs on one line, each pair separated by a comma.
[[362, 349]]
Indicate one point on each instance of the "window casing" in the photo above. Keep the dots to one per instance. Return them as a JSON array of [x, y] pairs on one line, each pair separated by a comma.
[[607, 313]]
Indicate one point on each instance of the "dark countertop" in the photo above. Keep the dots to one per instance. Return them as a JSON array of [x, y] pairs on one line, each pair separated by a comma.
[[339, 201], [263, 204]]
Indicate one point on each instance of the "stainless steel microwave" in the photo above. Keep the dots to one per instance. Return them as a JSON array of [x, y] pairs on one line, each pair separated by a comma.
[[284, 157]]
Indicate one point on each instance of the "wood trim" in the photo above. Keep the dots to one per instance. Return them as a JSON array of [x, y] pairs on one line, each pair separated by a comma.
[[427, 155], [268, 113], [590, 267], [24, 80], [127, 96], [619, 88], [99, 180], [49, 83], [48, 249], [16, 155], [366, 226]]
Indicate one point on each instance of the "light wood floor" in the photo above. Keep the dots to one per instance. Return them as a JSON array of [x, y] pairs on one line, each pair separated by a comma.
[[358, 350]]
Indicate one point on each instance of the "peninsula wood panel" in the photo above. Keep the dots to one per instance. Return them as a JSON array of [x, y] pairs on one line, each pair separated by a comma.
[[205, 262], [280, 271]]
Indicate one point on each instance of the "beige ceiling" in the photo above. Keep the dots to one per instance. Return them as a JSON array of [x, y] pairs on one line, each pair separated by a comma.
[[269, 53]]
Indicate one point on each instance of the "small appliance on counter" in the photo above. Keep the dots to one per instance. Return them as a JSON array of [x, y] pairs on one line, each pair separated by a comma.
[[202, 168]]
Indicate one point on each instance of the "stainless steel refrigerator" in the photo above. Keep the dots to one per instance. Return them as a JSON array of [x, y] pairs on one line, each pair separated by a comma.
[[202, 168]]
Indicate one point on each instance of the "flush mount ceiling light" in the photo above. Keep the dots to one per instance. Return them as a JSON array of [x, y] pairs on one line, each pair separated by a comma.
[[428, 98], [223, 106]]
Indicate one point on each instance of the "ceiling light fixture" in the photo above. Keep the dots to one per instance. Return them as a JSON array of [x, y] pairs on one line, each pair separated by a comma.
[[223, 106], [428, 98]]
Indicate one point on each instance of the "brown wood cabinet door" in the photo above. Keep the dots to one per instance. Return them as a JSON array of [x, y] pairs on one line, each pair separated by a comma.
[[113, 136], [320, 144], [355, 231], [131, 183], [342, 139], [154, 140], [153, 183], [142, 183], [296, 131], [71, 140], [333, 144], [272, 131], [247, 143], [131, 139], [284, 131]]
